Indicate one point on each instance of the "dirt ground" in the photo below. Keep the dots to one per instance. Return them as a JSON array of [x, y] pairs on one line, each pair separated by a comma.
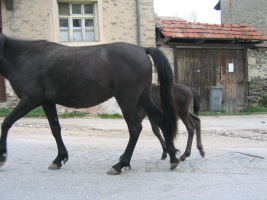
[[234, 166]]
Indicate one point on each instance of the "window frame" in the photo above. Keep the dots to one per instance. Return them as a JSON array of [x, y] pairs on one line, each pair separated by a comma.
[[81, 16]]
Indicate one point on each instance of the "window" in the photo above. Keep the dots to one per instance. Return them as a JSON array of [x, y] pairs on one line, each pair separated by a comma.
[[77, 22]]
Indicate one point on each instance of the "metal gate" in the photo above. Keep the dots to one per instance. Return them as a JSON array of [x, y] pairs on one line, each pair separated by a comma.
[[202, 68]]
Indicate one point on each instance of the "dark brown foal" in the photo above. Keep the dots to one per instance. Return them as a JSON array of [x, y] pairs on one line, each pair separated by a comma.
[[184, 97]]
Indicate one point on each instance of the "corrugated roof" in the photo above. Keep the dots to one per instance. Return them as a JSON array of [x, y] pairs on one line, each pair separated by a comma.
[[191, 30]]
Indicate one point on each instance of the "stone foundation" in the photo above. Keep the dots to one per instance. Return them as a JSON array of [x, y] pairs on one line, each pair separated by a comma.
[[257, 75]]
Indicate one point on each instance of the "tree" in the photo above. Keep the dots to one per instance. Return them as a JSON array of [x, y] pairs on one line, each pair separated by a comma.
[[192, 17]]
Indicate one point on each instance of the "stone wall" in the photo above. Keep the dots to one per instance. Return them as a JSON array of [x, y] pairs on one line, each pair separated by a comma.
[[257, 75], [30, 19], [120, 21]]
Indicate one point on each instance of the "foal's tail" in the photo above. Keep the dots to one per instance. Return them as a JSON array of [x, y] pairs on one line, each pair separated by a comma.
[[165, 79], [197, 101]]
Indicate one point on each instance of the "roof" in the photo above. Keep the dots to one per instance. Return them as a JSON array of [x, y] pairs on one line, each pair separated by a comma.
[[171, 18], [218, 6], [191, 30]]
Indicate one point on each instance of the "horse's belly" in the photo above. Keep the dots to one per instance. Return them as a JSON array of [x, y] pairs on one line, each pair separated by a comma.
[[82, 98]]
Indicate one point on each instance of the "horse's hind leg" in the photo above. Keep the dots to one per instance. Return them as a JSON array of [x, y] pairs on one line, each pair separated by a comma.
[[22, 109], [51, 113], [129, 110], [198, 133], [190, 126]]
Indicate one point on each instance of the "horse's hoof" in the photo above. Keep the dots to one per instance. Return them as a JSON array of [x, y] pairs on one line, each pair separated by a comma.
[[2, 163], [174, 165], [53, 167], [113, 171], [202, 153], [163, 158]]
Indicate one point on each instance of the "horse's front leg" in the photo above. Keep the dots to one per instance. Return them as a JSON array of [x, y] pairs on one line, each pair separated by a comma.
[[22, 109], [127, 155], [51, 113]]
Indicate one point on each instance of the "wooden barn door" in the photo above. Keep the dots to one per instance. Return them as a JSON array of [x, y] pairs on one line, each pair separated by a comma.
[[202, 68], [233, 79]]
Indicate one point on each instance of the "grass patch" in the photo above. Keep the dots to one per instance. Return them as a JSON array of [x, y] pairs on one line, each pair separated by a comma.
[[39, 112], [209, 113], [4, 112], [248, 111], [72, 114], [254, 110], [110, 116]]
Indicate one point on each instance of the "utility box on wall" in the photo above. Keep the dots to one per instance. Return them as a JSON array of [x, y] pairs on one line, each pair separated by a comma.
[[215, 98]]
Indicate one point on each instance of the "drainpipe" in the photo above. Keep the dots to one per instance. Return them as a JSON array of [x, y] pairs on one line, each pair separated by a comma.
[[138, 22]]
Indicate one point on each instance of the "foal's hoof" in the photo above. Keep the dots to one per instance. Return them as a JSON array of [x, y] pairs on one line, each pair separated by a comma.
[[53, 166], [113, 171], [164, 156], [174, 165], [183, 157], [202, 153]]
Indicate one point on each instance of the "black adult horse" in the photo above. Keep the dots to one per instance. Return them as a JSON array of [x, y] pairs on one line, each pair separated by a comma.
[[45, 74], [183, 97]]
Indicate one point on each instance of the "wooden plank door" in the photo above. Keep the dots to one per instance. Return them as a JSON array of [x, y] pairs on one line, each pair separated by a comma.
[[233, 79], [202, 68]]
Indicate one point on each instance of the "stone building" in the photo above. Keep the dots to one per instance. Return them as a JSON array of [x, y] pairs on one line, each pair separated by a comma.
[[78, 23], [252, 13]]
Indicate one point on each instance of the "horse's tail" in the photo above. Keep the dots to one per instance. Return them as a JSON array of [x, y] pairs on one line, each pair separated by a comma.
[[165, 79], [197, 101]]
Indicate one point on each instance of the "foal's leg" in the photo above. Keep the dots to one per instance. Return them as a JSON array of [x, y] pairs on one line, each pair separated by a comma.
[[197, 123], [157, 116], [190, 126], [51, 113], [129, 111], [22, 109], [156, 131]]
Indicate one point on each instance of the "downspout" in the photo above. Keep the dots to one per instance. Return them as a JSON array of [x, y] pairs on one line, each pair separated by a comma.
[[138, 22]]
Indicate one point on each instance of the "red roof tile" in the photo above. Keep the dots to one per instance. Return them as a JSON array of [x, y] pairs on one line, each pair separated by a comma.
[[190, 30]]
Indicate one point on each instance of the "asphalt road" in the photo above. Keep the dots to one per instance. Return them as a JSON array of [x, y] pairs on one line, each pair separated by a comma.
[[235, 165]]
